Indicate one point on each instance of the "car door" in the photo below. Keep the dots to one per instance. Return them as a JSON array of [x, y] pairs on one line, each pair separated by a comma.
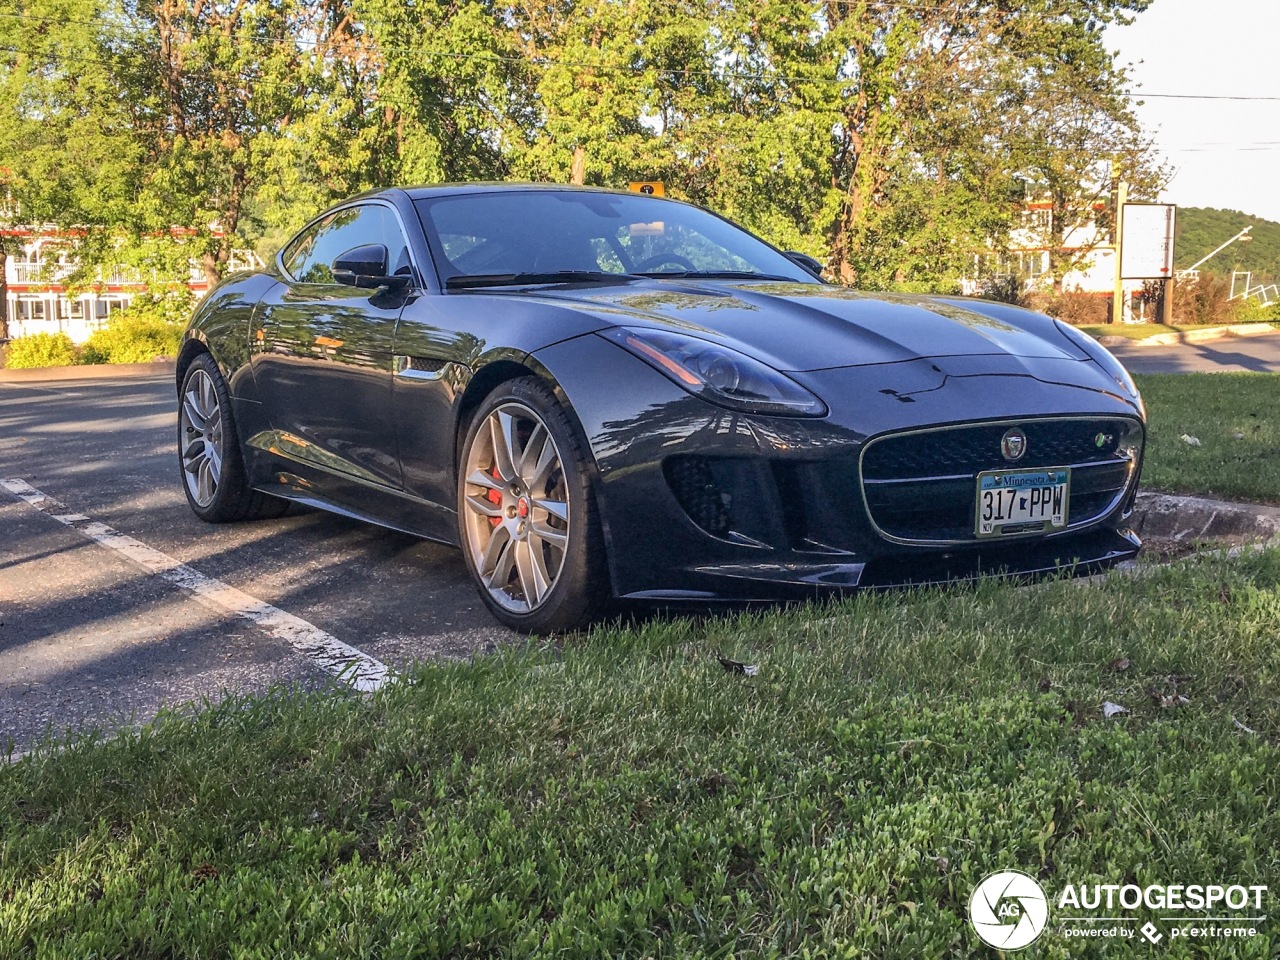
[[323, 356]]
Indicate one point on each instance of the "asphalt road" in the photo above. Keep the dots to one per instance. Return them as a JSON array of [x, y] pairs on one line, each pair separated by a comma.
[[1260, 354], [90, 638]]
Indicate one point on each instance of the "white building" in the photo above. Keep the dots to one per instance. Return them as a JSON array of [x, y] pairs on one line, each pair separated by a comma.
[[1028, 257], [39, 302]]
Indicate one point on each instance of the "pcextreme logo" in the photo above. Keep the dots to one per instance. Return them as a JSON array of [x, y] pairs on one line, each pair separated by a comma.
[[1009, 910]]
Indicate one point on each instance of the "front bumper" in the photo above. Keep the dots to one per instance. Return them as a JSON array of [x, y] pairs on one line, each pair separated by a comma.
[[700, 503]]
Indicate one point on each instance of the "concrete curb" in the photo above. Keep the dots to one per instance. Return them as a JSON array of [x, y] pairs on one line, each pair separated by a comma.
[[91, 371], [1197, 518], [1205, 335]]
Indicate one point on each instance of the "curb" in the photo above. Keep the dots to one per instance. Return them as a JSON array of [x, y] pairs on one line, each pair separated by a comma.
[[91, 371], [1194, 518], [1205, 335]]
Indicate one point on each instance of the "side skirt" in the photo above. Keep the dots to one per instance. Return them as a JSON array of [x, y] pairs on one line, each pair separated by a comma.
[[348, 496]]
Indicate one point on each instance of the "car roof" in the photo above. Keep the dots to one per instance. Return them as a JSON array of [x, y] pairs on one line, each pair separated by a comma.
[[457, 189]]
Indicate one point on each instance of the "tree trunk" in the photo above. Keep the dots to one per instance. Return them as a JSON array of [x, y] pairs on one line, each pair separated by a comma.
[[4, 293], [212, 268], [578, 168]]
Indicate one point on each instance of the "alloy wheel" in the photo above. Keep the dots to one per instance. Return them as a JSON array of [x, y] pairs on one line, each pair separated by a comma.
[[516, 506], [201, 437]]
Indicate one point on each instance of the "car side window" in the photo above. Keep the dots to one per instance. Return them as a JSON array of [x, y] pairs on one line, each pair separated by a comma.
[[310, 257], [295, 254]]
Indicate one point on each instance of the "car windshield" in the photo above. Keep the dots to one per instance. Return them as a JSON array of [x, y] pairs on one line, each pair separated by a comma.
[[534, 235]]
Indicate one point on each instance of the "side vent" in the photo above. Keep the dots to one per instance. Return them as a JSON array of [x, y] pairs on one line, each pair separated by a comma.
[[695, 487]]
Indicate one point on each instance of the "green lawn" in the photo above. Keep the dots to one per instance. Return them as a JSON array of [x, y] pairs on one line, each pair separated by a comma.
[[1236, 418], [626, 796], [1139, 331]]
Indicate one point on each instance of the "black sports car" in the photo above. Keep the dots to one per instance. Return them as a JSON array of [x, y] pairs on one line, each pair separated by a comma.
[[606, 395]]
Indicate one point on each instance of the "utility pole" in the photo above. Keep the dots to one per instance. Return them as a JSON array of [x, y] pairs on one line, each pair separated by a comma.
[[1122, 196], [1242, 236]]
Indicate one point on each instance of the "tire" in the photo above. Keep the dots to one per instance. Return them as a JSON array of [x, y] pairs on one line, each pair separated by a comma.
[[210, 460], [528, 520]]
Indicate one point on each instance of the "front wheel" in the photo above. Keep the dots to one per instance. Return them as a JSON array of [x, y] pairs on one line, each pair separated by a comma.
[[527, 516]]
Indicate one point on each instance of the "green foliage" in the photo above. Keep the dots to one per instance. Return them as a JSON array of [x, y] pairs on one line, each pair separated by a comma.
[[894, 142], [1198, 230], [1233, 417], [1255, 311], [137, 335], [41, 350], [622, 795]]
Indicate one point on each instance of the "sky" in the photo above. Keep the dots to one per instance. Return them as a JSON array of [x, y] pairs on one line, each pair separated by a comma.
[[1224, 153]]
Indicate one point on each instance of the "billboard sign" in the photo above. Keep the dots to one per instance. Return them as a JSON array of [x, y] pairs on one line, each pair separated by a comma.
[[1146, 246]]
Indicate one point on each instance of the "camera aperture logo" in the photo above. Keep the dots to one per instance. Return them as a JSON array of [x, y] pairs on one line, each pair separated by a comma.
[[1008, 910]]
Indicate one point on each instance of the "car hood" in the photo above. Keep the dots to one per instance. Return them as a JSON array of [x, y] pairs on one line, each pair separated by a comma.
[[806, 327]]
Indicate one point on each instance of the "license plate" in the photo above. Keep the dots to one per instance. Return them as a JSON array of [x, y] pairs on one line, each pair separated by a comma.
[[1022, 501]]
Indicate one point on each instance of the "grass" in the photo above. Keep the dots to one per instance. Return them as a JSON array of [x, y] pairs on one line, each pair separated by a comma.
[[1139, 331], [1233, 415], [625, 795]]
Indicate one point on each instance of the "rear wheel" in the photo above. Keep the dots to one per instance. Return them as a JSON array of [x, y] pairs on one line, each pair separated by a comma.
[[527, 515], [213, 473]]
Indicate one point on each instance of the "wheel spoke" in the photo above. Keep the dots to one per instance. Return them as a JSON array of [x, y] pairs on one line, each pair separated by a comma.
[[208, 396], [204, 482], [557, 539], [547, 462], [190, 406], [484, 506], [194, 453], [482, 479], [495, 565], [538, 440], [527, 575], [213, 428], [502, 427], [541, 575], [557, 508]]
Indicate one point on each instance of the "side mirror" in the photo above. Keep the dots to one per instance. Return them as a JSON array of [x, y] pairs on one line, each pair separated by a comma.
[[365, 267], [804, 261]]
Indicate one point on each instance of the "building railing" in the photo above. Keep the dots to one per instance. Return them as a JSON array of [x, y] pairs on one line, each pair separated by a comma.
[[37, 272], [23, 272]]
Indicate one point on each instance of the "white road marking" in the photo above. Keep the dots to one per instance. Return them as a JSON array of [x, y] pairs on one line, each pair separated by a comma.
[[326, 651]]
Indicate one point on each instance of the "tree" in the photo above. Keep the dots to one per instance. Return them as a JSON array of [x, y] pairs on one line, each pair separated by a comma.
[[66, 158]]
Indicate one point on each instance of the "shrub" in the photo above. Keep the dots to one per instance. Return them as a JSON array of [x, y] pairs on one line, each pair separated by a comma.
[[1205, 300], [1251, 311], [133, 337], [1081, 309], [42, 350]]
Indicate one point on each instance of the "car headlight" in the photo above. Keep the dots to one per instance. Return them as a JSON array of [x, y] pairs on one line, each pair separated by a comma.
[[1102, 357], [718, 374]]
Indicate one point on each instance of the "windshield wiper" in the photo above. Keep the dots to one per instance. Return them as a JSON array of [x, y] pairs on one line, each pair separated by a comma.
[[515, 279], [716, 275]]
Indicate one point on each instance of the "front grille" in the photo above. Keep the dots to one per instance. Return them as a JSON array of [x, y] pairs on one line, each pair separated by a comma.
[[921, 486], [970, 450]]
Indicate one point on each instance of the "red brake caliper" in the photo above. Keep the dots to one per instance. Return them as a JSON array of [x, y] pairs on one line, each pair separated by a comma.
[[495, 497]]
